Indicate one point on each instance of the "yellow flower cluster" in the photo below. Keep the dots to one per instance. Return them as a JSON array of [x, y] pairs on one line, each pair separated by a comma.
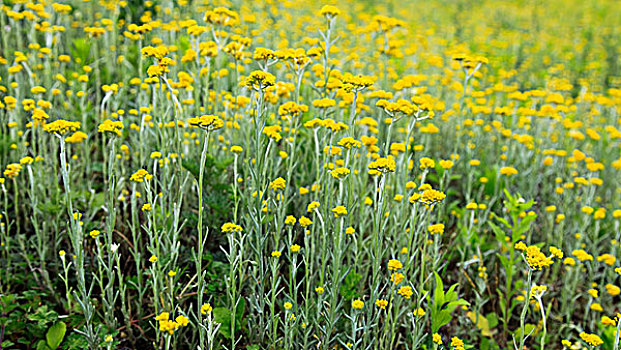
[[382, 166], [230, 227], [356, 83], [535, 258], [537, 292], [436, 229], [394, 265], [207, 122], [329, 11], [259, 80], [339, 211], [278, 184], [591, 339], [221, 16], [428, 197], [140, 176], [12, 170], [292, 109], [340, 173], [582, 255], [61, 126], [349, 142], [457, 343], [110, 126], [170, 326]]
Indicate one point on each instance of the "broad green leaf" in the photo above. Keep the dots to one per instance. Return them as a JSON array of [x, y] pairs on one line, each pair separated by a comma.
[[55, 335], [222, 315], [41, 345], [438, 293]]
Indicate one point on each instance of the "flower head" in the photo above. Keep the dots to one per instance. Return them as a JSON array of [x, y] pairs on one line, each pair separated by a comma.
[[110, 126], [207, 122], [61, 126]]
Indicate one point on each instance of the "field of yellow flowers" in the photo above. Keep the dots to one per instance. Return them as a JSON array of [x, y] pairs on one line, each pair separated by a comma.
[[369, 175]]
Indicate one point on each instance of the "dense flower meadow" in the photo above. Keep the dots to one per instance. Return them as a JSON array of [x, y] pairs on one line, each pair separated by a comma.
[[300, 175]]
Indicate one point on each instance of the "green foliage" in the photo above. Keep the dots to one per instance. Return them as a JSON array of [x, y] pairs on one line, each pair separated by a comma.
[[443, 304], [81, 48], [54, 337], [223, 315], [349, 288], [216, 188]]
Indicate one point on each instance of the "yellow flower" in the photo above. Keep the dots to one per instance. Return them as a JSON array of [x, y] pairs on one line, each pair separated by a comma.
[[172, 273], [569, 261], [349, 142], [537, 292], [206, 309], [207, 122], [305, 222], [340, 173], [276, 254], [230, 227], [319, 290], [472, 206], [405, 291], [288, 306], [260, 80], [26, 160], [608, 259], [12, 170], [339, 211], [582, 255], [397, 277], [329, 11], [557, 253], [61, 126], [428, 197], [162, 317], [427, 163], [295, 248], [381, 303], [110, 126], [94, 233], [456, 342], [597, 307], [382, 165], [508, 171], [357, 304], [536, 259], [76, 137], [153, 258], [446, 164], [290, 220], [437, 338], [278, 184], [607, 321], [147, 207], [394, 265], [312, 206], [591, 339], [182, 321], [436, 229], [140, 176]]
